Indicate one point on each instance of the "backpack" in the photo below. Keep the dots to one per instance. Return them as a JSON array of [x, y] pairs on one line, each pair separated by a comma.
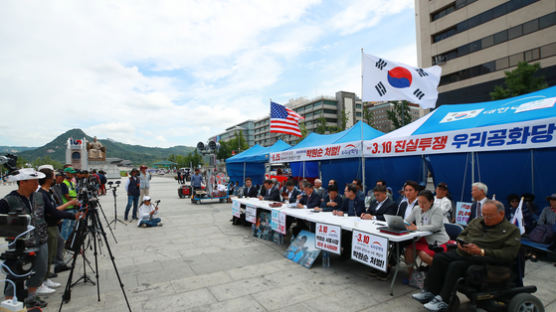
[[102, 179], [542, 233]]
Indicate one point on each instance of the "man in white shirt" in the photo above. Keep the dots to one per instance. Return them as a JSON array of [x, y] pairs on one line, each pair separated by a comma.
[[147, 213], [479, 193]]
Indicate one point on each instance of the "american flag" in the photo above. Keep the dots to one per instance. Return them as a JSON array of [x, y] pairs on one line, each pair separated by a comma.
[[284, 120]]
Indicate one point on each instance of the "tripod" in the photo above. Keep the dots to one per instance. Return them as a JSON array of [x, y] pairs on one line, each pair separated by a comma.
[[116, 219], [90, 224]]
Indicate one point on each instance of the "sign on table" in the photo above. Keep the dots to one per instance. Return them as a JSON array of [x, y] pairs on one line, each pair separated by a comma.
[[463, 212], [370, 249], [236, 209], [328, 238], [302, 250], [251, 214], [278, 221]]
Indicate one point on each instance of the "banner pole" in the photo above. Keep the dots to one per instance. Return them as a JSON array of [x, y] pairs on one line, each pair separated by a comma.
[[362, 136]]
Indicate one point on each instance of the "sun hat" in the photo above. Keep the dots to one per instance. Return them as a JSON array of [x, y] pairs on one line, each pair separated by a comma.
[[25, 174]]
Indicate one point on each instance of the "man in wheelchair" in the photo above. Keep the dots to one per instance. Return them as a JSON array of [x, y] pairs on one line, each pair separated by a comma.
[[486, 251]]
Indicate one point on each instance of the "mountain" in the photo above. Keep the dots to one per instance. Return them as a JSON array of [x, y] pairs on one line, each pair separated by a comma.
[[14, 149], [137, 154]]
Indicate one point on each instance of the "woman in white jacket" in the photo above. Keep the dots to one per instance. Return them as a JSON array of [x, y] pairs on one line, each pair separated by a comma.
[[147, 213]]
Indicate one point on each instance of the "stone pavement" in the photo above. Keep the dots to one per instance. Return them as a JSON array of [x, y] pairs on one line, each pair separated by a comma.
[[198, 261]]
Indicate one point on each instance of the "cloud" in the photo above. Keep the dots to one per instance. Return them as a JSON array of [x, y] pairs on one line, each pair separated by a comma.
[[362, 14]]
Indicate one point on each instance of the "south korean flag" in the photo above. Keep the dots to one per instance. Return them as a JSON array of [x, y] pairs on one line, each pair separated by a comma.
[[384, 80]]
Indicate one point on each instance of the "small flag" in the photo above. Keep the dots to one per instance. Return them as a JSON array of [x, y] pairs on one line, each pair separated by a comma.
[[385, 80], [284, 120], [517, 219]]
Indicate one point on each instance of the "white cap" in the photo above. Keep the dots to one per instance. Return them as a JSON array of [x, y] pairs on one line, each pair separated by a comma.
[[26, 174], [46, 167], [145, 198]]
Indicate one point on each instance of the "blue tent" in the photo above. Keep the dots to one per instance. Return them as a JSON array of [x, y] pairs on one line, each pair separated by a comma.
[[345, 166], [251, 163], [507, 144]]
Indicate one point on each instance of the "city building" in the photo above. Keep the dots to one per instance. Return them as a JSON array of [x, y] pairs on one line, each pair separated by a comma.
[[475, 42], [379, 111], [324, 108], [245, 128]]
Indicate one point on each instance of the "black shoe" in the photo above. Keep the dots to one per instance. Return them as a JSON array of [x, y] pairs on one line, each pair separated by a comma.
[[52, 275], [61, 268], [35, 301], [125, 219]]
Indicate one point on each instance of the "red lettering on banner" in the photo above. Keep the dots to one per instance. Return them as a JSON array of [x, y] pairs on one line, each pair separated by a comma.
[[411, 146], [425, 143], [439, 143], [400, 146], [336, 151]]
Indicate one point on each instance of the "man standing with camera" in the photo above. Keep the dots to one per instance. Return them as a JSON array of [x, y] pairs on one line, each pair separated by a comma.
[[24, 200]]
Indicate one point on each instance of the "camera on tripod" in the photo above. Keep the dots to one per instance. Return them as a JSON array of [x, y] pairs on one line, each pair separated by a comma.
[[113, 185]]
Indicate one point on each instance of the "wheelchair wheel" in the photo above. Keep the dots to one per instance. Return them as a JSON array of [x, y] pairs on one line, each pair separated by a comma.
[[454, 305], [525, 302]]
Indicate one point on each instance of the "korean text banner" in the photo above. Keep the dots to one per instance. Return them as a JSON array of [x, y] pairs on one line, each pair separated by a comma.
[[518, 135], [331, 151]]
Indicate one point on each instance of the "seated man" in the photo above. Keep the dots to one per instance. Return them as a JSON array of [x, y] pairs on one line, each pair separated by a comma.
[[291, 192], [311, 199], [333, 200], [147, 213], [352, 205], [271, 192], [489, 238], [249, 190], [380, 205]]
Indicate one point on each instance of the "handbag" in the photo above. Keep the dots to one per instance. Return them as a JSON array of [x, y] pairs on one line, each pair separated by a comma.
[[542, 233]]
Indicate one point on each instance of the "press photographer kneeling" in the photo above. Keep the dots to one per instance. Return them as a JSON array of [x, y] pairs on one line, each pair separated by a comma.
[[147, 213]]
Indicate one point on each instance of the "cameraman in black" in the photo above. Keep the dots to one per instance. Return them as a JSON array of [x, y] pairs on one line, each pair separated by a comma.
[[25, 200]]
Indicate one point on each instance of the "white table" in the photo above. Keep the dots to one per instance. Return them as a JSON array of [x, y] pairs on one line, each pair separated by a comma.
[[345, 222]]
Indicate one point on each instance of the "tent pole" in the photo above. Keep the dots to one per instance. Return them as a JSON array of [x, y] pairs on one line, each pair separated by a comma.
[[532, 172], [362, 160], [472, 167], [320, 172], [303, 169], [243, 173]]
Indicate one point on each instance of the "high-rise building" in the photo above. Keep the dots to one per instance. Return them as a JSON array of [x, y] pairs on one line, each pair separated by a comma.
[[379, 111], [245, 128], [475, 42], [321, 110]]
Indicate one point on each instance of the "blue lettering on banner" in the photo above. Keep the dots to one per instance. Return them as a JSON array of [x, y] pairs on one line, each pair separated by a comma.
[[500, 137]]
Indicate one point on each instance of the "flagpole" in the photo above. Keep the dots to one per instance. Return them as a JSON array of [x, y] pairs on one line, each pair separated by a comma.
[[362, 137]]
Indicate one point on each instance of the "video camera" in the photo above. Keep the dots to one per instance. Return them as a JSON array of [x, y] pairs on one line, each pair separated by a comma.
[[113, 185]]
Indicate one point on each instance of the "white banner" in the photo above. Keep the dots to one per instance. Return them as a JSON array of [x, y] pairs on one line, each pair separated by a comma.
[[463, 212], [384, 80], [519, 135], [332, 151], [369, 249], [328, 238], [251, 214], [278, 221], [236, 209]]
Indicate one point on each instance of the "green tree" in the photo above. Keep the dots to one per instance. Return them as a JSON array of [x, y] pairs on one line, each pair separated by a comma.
[[369, 117], [47, 160], [399, 114], [303, 130], [343, 121], [321, 126], [524, 79]]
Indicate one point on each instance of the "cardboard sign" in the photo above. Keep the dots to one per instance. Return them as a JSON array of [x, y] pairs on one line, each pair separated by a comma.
[[463, 212], [262, 227], [236, 209], [370, 249], [328, 238], [302, 250], [278, 221], [251, 214]]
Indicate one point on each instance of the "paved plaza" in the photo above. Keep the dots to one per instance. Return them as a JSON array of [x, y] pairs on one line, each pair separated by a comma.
[[199, 261]]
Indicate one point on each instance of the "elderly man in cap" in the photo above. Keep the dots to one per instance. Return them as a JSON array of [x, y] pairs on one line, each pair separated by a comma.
[[548, 214], [132, 185], [25, 200]]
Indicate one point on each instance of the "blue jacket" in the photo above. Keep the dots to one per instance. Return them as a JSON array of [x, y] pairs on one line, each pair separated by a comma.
[[311, 201], [358, 205]]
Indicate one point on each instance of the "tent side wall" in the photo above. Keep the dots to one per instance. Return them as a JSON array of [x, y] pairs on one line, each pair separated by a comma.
[[255, 171], [394, 170], [342, 170]]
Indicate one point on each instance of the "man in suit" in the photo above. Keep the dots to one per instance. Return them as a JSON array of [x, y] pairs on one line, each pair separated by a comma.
[[479, 193], [291, 192], [333, 200], [311, 199], [380, 206], [249, 190], [271, 192], [351, 204]]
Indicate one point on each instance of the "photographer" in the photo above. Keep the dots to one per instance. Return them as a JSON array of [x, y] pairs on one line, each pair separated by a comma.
[[53, 214], [69, 192], [24, 200], [147, 211]]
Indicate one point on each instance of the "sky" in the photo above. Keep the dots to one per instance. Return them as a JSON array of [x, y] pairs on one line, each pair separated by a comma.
[[166, 73]]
